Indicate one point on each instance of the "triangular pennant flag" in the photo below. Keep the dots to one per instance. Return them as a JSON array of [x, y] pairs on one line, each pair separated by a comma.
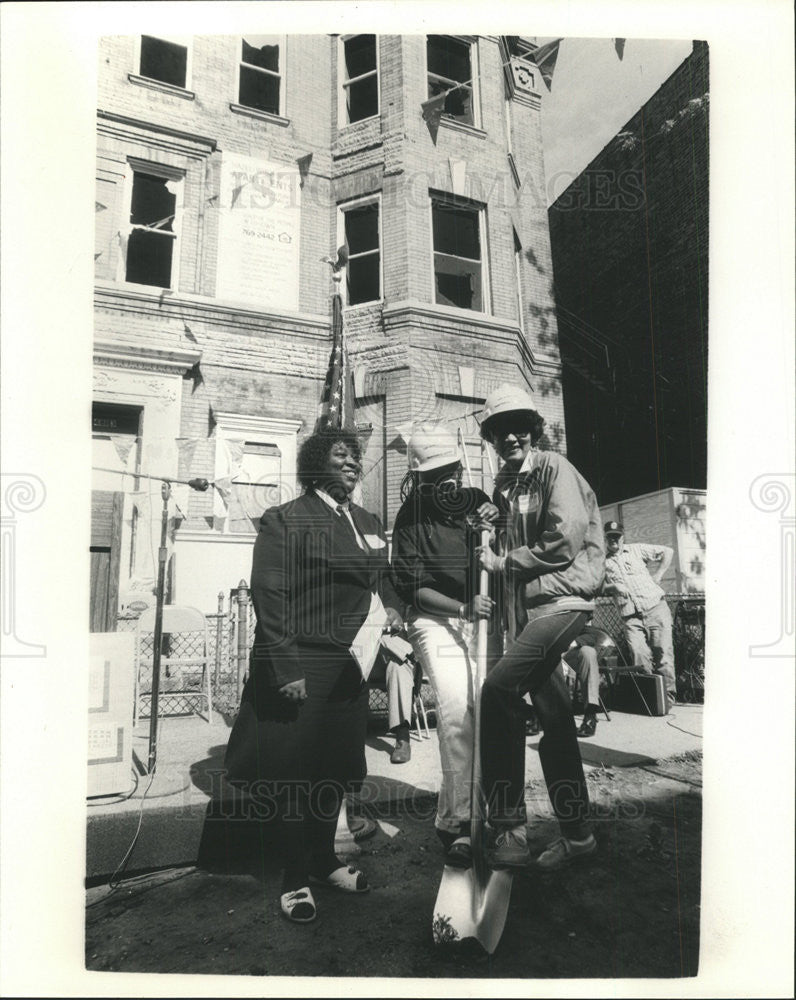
[[234, 449], [123, 444], [545, 58], [304, 167], [222, 492], [99, 207], [619, 45], [185, 449], [180, 492], [432, 110]]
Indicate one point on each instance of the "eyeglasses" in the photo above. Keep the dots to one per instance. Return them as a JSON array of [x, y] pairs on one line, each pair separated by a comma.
[[503, 430]]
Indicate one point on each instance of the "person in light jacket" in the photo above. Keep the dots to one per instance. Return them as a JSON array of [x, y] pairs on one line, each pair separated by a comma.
[[551, 570]]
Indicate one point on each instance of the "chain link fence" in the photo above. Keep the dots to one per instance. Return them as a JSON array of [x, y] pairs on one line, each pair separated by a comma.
[[230, 634]]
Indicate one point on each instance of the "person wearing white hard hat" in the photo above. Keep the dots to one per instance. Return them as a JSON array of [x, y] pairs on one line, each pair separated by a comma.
[[551, 570], [436, 574]]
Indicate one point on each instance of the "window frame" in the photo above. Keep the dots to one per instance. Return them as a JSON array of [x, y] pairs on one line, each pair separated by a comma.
[[342, 208], [343, 82], [184, 40], [451, 199], [282, 74], [475, 72], [135, 165], [276, 431]]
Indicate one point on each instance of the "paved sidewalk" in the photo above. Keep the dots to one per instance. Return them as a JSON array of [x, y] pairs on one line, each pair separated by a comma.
[[174, 806]]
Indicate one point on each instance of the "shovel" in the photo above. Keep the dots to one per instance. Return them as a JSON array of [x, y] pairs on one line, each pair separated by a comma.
[[473, 902]]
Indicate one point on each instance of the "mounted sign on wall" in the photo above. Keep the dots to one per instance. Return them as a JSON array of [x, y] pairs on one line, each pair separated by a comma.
[[259, 227]]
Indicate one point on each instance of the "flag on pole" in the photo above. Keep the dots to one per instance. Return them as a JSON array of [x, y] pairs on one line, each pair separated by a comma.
[[337, 401], [545, 58]]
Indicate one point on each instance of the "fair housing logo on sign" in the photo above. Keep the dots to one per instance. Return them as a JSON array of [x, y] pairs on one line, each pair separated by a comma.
[[258, 254]]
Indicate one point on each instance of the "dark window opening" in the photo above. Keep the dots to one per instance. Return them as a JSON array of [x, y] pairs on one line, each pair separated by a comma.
[[260, 80], [164, 61], [457, 256], [150, 244], [361, 78], [364, 253], [450, 66]]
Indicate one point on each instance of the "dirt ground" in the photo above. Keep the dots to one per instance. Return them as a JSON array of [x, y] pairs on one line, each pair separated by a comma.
[[631, 910]]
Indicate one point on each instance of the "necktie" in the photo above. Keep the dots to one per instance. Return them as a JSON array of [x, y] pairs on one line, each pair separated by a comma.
[[342, 512]]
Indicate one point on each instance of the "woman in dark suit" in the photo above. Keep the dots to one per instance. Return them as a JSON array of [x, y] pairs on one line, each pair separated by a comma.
[[320, 572]]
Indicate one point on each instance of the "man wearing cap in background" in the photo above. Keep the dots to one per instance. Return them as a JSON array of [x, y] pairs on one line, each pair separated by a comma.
[[551, 570], [641, 602]]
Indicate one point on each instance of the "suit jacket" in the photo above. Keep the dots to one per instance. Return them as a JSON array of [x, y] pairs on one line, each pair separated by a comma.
[[311, 583]]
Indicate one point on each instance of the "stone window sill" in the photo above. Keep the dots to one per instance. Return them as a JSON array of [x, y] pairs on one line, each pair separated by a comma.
[[458, 126], [164, 88], [264, 116]]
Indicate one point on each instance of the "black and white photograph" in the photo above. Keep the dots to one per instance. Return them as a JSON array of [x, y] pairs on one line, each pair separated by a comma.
[[414, 505]]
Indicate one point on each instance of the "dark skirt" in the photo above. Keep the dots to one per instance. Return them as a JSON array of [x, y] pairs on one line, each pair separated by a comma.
[[275, 741]]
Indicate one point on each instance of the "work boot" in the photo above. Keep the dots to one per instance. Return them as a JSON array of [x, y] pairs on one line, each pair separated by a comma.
[[589, 725]]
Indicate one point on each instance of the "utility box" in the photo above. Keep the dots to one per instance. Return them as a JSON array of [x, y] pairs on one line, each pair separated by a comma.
[[110, 712], [673, 517]]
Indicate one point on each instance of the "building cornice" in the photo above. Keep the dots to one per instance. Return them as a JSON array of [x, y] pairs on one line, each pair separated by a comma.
[[116, 124], [464, 323], [114, 297], [142, 357]]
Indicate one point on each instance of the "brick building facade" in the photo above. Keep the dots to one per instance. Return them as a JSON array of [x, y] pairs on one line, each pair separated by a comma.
[[227, 167], [630, 256]]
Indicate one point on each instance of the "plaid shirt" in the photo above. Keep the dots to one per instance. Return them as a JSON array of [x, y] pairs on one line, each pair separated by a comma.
[[628, 569]]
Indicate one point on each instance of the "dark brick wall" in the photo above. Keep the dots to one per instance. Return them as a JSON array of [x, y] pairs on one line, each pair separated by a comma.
[[629, 243]]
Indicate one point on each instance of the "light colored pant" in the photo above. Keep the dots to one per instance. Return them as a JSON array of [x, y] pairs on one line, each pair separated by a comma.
[[400, 678], [583, 660], [446, 650], [650, 639]]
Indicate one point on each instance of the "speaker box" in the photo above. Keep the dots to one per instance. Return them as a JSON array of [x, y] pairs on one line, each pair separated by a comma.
[[642, 694]]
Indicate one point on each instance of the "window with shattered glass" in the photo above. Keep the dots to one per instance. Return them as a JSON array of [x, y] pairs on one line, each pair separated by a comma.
[[152, 233], [360, 78], [362, 234], [260, 84], [255, 487], [164, 60], [458, 279], [450, 71]]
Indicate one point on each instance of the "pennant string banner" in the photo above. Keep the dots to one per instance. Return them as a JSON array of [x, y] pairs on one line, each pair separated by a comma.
[[185, 449], [123, 443]]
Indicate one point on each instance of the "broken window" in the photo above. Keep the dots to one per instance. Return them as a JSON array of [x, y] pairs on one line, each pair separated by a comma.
[[450, 68], [361, 79], [458, 276], [260, 84], [152, 232], [164, 60], [361, 233], [256, 486]]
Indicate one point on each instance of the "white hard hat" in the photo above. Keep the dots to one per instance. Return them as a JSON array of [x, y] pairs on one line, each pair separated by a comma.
[[506, 399], [431, 446]]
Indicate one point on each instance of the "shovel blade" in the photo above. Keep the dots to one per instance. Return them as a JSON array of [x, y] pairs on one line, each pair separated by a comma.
[[469, 908]]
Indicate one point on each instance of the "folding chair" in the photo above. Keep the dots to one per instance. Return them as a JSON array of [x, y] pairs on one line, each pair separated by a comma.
[[184, 671], [602, 640]]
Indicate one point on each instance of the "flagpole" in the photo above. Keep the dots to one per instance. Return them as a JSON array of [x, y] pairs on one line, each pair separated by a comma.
[[337, 317]]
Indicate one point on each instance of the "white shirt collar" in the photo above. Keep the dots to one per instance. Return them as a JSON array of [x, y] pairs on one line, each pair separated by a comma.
[[330, 500]]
